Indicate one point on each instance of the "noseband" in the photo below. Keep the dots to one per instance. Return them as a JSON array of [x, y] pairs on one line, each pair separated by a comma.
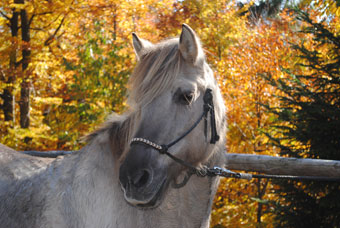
[[208, 107]]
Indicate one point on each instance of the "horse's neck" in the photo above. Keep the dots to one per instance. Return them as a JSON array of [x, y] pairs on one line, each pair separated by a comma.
[[94, 194], [82, 189], [190, 206]]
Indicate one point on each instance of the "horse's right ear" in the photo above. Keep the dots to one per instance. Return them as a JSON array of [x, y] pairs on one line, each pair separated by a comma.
[[139, 45], [189, 45]]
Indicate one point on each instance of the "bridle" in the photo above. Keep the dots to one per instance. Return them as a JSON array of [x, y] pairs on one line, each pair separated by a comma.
[[208, 108], [204, 171]]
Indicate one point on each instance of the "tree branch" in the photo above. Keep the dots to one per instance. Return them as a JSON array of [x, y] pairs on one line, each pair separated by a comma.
[[4, 15], [43, 13], [38, 14], [18, 63], [2, 77], [38, 29], [30, 20], [50, 38]]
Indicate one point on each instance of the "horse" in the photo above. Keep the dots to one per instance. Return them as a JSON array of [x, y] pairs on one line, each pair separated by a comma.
[[133, 171]]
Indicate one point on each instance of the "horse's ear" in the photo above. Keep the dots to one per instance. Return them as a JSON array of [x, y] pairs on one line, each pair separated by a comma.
[[139, 45], [189, 45]]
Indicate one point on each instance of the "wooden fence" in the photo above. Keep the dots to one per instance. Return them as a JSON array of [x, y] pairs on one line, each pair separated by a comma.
[[283, 166]]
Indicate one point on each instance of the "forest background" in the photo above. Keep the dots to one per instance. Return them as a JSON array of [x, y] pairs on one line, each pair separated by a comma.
[[64, 67]]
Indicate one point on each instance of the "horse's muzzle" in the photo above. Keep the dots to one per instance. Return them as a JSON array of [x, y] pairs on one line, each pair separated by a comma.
[[142, 181]]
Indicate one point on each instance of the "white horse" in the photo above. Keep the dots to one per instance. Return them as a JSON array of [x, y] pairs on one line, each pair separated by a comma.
[[124, 176]]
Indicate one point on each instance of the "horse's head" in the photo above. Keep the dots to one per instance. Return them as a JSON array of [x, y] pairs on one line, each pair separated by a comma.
[[167, 90]]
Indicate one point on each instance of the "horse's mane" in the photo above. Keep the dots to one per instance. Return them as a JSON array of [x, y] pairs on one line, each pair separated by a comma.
[[155, 72]]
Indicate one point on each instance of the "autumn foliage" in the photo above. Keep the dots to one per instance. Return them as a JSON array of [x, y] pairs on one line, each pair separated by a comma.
[[64, 66]]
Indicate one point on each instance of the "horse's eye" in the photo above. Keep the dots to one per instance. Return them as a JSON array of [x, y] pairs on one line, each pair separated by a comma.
[[186, 98]]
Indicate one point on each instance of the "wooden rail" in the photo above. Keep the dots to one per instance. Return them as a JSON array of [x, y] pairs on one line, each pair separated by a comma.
[[283, 166], [256, 163]]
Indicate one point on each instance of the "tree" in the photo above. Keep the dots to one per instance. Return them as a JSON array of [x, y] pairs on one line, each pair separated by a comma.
[[259, 50], [309, 124], [32, 75], [262, 9], [24, 17], [96, 88]]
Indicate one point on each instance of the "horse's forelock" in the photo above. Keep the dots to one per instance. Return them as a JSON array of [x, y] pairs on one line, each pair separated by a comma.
[[156, 71]]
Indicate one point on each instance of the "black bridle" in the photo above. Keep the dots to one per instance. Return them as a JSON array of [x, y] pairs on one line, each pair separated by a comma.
[[208, 108], [204, 171]]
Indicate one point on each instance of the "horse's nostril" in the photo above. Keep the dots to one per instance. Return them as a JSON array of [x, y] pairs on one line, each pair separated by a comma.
[[141, 178]]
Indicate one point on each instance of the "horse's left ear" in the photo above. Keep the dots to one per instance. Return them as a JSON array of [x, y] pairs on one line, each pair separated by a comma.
[[139, 45], [189, 45]]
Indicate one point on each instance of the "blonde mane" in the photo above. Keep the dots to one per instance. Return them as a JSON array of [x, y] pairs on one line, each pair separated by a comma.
[[156, 70]]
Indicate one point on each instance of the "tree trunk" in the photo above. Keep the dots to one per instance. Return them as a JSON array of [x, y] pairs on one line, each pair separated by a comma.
[[7, 96], [25, 86], [261, 190]]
